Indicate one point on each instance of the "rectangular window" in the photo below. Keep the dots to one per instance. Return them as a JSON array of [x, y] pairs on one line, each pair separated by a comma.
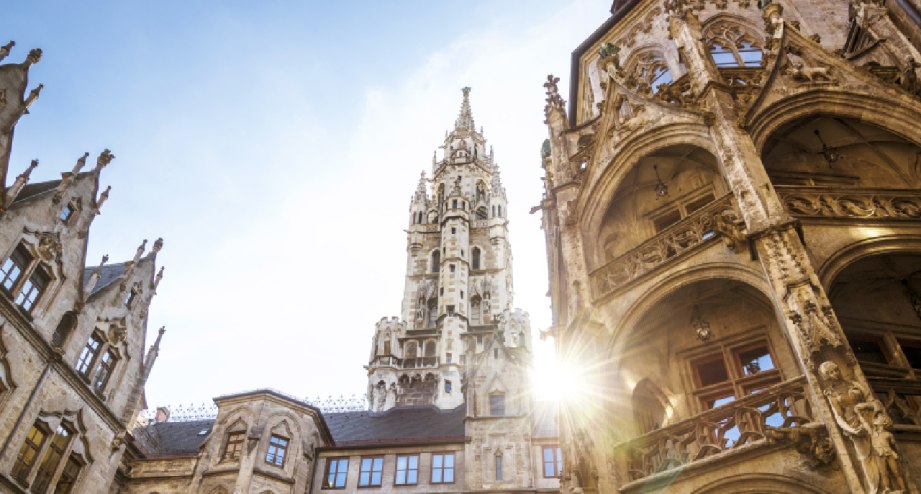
[[336, 471], [234, 446], [52, 459], [106, 366], [28, 453], [278, 447], [666, 220], [14, 266], [724, 376], [497, 405], [447, 386], [88, 355], [443, 468], [69, 476], [912, 351], [868, 350], [407, 470], [498, 468], [370, 473], [33, 288], [553, 461]]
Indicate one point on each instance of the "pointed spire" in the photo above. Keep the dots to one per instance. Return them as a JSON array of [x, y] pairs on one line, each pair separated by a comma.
[[421, 189], [68, 179], [5, 49], [94, 277], [20, 182], [102, 199], [152, 353], [158, 278], [465, 118], [104, 159], [33, 57], [140, 251], [33, 95]]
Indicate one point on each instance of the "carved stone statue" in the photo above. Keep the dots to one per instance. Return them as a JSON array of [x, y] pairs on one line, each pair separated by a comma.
[[863, 420]]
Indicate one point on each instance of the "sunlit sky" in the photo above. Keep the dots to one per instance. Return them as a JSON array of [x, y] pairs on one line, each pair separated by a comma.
[[275, 146]]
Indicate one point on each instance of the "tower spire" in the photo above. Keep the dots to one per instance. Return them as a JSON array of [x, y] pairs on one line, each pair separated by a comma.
[[465, 118]]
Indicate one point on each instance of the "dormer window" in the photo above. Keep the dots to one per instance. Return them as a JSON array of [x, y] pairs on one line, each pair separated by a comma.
[[129, 299], [278, 449], [66, 213], [33, 288], [233, 447]]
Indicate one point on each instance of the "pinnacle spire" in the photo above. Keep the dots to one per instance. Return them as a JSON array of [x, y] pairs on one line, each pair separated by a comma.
[[465, 118]]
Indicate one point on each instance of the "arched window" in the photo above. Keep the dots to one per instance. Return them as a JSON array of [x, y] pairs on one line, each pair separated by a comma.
[[475, 258], [65, 328], [731, 45], [648, 71], [386, 348], [429, 348], [436, 261]]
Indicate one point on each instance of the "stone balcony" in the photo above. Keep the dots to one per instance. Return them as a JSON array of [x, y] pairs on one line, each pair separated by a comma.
[[406, 363], [778, 415], [676, 241], [841, 203]]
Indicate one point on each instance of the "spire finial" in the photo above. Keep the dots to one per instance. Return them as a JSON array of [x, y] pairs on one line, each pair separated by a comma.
[[465, 118], [5, 49], [105, 157], [140, 251]]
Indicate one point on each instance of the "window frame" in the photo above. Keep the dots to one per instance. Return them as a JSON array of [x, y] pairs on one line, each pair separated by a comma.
[[283, 448], [104, 369], [682, 207], [21, 470], [497, 403], [737, 384], [34, 277], [234, 454], [336, 460], [397, 470], [361, 471], [443, 468], [48, 467], [91, 364], [556, 461]]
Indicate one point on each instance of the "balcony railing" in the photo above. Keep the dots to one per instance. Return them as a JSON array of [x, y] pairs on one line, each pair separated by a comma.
[[877, 204], [407, 363], [779, 412], [669, 244]]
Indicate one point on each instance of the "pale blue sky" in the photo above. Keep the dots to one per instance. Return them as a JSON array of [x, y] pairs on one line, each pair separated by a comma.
[[275, 146]]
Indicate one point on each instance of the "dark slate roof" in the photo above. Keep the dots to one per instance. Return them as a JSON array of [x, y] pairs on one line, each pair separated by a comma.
[[172, 438], [546, 419], [108, 275], [35, 189], [404, 425]]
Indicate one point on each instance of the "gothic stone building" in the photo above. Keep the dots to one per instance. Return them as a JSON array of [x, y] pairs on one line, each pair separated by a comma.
[[733, 223], [448, 381], [72, 360]]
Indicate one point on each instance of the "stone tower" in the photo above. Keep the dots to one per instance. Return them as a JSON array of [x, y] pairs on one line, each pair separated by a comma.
[[458, 277]]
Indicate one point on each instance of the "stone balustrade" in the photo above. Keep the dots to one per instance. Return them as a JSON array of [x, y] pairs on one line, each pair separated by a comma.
[[825, 202], [775, 414], [673, 242]]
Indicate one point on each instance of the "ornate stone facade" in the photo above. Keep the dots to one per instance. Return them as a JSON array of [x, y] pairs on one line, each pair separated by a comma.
[[72, 338], [732, 229]]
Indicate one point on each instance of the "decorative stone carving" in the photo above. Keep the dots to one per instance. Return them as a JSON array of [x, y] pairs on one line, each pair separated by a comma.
[[669, 244], [863, 419], [858, 204]]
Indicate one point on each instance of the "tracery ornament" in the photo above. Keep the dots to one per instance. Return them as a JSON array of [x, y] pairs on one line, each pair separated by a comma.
[[647, 73], [732, 45], [864, 421]]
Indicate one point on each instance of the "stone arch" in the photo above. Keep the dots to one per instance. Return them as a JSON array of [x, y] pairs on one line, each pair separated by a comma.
[[828, 149], [702, 272], [660, 189], [65, 328], [767, 483], [854, 252], [604, 181], [881, 111]]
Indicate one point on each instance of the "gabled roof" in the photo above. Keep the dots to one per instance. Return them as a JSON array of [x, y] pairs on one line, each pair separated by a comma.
[[35, 189], [172, 438], [110, 273], [403, 425]]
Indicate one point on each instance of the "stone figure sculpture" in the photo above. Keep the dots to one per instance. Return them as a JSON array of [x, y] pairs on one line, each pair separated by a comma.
[[863, 420]]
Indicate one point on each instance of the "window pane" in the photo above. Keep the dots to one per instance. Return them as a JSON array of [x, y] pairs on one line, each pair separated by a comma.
[[340, 479], [719, 401], [412, 476], [548, 469], [751, 57], [712, 372], [755, 361], [400, 478], [724, 58], [449, 461], [912, 350], [364, 478], [436, 460], [436, 475], [414, 462], [376, 478], [449, 475]]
